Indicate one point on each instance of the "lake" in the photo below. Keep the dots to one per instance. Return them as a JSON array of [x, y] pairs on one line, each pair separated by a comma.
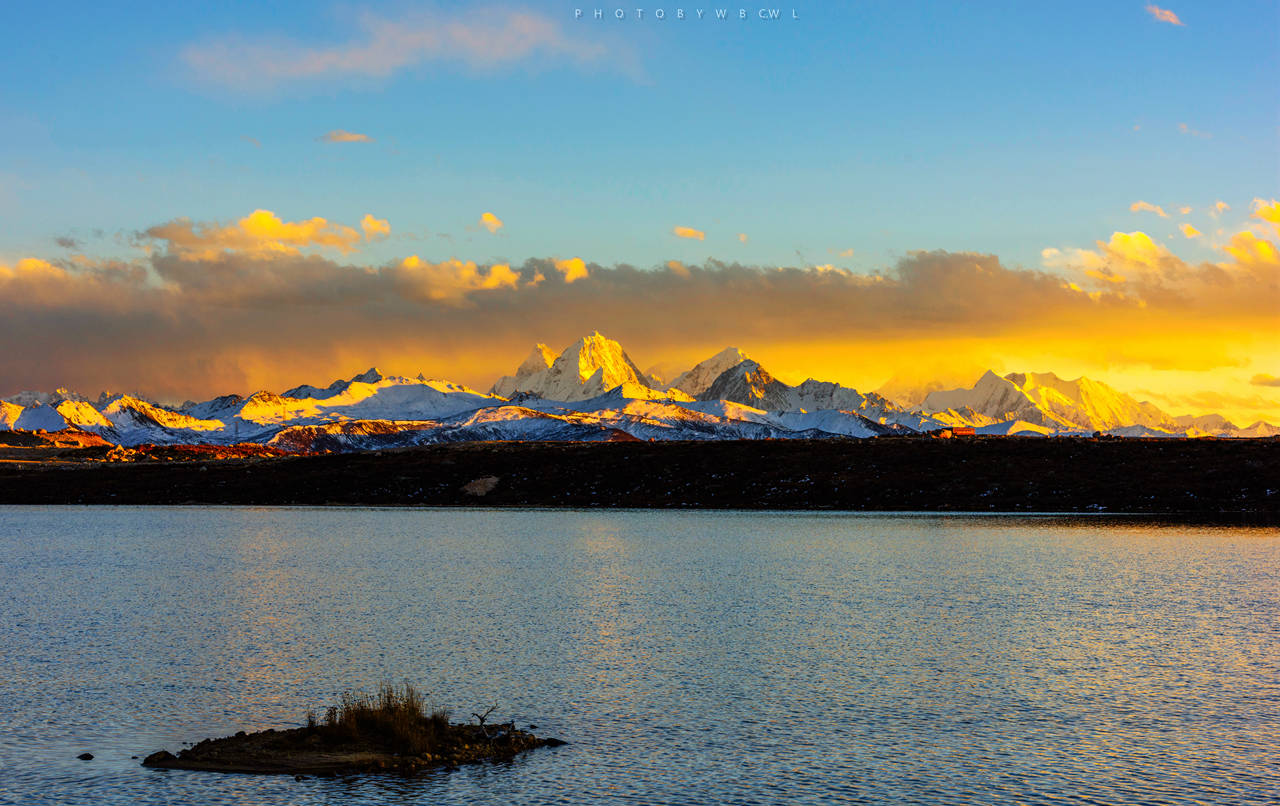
[[688, 657]]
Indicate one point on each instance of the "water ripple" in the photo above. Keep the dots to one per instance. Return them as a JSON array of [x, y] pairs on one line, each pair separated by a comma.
[[717, 658]]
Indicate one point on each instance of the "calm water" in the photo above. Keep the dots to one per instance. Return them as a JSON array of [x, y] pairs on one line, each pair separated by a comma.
[[688, 657]]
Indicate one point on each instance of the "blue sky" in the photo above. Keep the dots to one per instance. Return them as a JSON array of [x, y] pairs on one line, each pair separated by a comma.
[[879, 127]]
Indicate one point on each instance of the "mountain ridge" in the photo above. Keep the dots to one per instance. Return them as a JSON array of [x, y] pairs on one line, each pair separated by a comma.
[[593, 387]]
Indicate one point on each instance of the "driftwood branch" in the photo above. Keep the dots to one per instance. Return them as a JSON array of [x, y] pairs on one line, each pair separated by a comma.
[[482, 717]]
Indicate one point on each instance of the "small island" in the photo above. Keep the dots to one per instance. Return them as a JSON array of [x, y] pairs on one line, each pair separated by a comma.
[[390, 731]]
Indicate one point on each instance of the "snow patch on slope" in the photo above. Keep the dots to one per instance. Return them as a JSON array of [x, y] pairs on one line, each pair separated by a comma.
[[39, 417], [9, 413]]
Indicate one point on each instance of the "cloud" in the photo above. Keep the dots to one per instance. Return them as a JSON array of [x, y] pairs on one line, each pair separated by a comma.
[[1268, 211], [1263, 379], [374, 227], [253, 141], [379, 47], [344, 136], [1134, 267], [1139, 206], [1184, 210], [67, 242], [490, 222], [742, 237], [212, 308], [572, 269], [260, 233], [1219, 207], [1123, 249], [1163, 15], [31, 267], [847, 253], [689, 232], [1252, 252], [1189, 230], [450, 281], [1185, 129]]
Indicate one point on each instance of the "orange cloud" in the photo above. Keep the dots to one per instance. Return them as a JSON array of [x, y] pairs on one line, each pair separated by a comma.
[[374, 227], [1185, 129], [742, 237], [1189, 230], [261, 233], [1151, 208], [573, 269], [490, 222], [31, 267], [450, 281], [343, 136], [689, 232], [1163, 15], [1219, 207]]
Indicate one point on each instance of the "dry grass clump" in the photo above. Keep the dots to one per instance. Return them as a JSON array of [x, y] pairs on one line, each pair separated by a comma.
[[395, 718]]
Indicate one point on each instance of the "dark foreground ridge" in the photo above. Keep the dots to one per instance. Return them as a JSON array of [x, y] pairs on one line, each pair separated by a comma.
[[1196, 477], [390, 731]]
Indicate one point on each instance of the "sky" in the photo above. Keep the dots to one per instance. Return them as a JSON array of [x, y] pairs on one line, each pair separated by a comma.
[[198, 199]]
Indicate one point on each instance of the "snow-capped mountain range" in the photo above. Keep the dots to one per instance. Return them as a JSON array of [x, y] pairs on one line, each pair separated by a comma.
[[594, 391]]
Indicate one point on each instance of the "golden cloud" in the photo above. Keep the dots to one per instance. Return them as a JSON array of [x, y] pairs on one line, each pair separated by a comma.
[[1188, 230], [32, 267], [1268, 211], [1137, 267], [450, 281], [1252, 252], [689, 232], [572, 269], [490, 222], [374, 227], [261, 233], [742, 237]]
